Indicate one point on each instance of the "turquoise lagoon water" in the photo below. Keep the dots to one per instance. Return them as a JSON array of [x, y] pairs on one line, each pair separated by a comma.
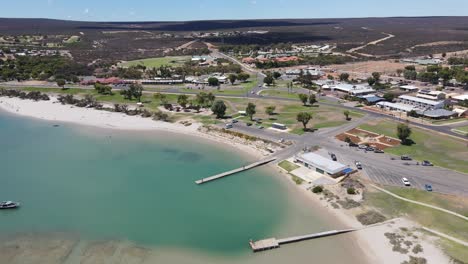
[[104, 184]]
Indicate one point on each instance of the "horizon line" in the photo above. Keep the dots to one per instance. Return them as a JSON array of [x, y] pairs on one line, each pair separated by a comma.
[[231, 19]]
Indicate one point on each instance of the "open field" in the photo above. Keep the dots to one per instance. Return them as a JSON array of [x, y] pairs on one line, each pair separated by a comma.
[[286, 112], [426, 217], [157, 62], [280, 94], [441, 150]]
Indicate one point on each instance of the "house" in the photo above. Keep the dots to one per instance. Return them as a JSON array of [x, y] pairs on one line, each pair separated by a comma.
[[421, 103], [322, 165], [248, 60], [287, 59]]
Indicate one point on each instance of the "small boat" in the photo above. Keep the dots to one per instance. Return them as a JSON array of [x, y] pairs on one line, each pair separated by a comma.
[[9, 205]]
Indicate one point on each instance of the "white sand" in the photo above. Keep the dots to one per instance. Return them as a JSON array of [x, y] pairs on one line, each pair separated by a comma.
[[54, 111], [378, 248], [371, 240]]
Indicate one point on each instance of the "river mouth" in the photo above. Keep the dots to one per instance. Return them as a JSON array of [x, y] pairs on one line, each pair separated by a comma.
[[105, 192]]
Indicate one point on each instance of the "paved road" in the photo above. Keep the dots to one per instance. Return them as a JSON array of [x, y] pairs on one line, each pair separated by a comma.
[[381, 168]]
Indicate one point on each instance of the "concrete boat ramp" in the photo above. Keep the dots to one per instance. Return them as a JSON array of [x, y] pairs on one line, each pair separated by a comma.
[[228, 173], [272, 243]]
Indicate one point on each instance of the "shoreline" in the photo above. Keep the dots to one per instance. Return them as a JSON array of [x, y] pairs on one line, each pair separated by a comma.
[[53, 111], [92, 118]]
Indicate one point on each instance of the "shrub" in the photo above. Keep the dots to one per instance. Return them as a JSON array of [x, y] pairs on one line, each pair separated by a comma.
[[351, 191], [417, 249], [370, 218], [297, 180], [317, 189]]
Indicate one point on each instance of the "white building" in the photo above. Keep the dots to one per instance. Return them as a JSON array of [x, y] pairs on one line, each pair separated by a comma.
[[409, 88], [421, 103], [322, 165], [431, 95], [396, 107], [352, 89]]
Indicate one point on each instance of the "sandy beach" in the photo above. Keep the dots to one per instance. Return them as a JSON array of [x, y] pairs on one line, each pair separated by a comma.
[[372, 240], [55, 111]]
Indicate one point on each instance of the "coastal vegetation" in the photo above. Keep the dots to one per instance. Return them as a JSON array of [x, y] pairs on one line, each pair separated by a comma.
[[43, 68], [427, 217]]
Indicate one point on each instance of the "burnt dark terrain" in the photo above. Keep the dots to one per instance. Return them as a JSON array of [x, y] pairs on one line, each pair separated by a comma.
[[134, 40]]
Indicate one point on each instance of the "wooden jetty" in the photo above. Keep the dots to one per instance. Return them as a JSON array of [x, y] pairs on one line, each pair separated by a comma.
[[273, 243], [228, 173]]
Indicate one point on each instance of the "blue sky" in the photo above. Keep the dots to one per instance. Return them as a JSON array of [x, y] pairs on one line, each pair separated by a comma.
[[170, 10]]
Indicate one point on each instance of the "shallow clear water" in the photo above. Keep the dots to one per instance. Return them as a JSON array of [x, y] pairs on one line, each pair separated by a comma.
[[111, 185]]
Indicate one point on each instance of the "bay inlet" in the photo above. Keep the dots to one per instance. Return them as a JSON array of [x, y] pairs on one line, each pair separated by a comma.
[[136, 189]]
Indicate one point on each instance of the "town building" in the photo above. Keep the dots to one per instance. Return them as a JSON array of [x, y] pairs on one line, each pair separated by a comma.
[[352, 89], [409, 88], [396, 107], [322, 165], [371, 99], [421, 103], [431, 95]]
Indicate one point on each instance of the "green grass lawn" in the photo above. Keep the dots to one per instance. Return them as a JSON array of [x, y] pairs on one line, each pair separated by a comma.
[[426, 217], [158, 62], [288, 166], [280, 94], [441, 150]]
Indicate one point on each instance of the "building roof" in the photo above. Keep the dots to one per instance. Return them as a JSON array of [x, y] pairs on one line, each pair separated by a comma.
[[461, 97], [371, 98], [325, 164], [419, 100], [409, 87], [437, 113], [401, 107], [352, 88]]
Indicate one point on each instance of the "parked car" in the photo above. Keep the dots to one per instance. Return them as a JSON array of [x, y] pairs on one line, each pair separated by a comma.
[[228, 126], [428, 187], [378, 151], [358, 165], [352, 144], [370, 149], [260, 127], [362, 146], [333, 156], [235, 121], [406, 182], [427, 163], [249, 124], [406, 157]]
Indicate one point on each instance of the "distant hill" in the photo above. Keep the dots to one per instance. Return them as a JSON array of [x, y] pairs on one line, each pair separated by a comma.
[[413, 35]]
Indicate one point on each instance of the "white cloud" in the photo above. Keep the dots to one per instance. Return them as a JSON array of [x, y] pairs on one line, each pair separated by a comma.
[[253, 2], [86, 11]]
